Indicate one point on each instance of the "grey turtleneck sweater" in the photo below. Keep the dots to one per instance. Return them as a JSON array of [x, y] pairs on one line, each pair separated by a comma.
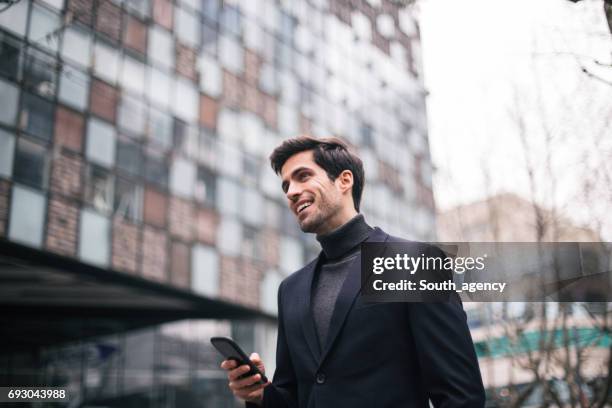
[[340, 248]]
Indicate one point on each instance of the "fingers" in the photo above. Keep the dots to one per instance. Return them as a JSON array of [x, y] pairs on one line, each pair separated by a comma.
[[244, 382], [249, 388], [251, 393], [234, 373], [228, 364]]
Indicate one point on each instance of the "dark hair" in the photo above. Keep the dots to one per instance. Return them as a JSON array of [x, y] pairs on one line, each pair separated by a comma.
[[330, 153]]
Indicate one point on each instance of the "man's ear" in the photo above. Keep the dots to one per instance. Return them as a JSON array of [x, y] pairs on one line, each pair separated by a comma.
[[345, 180]]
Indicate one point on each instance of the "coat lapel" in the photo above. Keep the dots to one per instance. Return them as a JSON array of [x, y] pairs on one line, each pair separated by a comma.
[[349, 291], [307, 321]]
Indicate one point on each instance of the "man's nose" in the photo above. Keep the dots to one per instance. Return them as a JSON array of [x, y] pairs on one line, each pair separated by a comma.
[[293, 192]]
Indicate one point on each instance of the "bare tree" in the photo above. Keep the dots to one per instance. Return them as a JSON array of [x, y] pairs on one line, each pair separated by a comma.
[[607, 9]]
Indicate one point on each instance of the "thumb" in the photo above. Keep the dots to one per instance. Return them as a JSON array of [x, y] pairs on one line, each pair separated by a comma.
[[254, 357]]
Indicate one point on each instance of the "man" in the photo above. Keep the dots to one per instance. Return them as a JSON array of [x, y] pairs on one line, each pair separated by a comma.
[[334, 350]]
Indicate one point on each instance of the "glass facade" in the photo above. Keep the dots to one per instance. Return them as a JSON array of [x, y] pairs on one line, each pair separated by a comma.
[[134, 136], [169, 365]]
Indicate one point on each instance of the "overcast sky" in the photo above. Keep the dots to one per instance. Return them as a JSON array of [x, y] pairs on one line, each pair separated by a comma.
[[489, 62]]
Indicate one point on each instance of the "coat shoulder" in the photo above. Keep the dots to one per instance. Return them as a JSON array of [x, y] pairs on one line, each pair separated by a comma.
[[427, 247], [296, 276]]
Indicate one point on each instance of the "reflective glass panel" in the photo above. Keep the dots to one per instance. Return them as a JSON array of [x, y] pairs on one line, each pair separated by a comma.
[[31, 164], [27, 216], [36, 116]]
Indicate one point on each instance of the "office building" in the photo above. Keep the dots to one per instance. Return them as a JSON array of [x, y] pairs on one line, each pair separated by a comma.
[[138, 211]]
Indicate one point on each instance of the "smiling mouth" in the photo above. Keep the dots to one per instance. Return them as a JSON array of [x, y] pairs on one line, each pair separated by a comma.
[[303, 206]]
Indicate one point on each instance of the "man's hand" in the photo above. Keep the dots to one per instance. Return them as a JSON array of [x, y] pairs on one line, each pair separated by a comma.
[[245, 388]]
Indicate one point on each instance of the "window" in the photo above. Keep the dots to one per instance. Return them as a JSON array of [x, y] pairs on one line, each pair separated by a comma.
[[182, 177], [31, 164], [8, 98], [186, 100], [269, 290], [362, 26], [36, 116], [210, 37], [291, 254], [99, 188], [250, 169], [161, 46], [194, 5], [94, 237], [272, 214], [77, 46], [208, 148], [270, 15], [185, 138], [156, 169], [138, 7], [367, 135], [211, 76], [284, 55], [290, 89], [100, 142], [40, 72], [57, 4], [132, 115], [231, 20], [205, 270], [385, 25], [205, 187], [287, 28], [230, 234], [106, 62], [270, 185], [27, 216], [159, 87], [129, 157], [132, 75], [187, 27], [254, 215], [288, 119], [268, 47], [229, 126], [15, 18], [228, 199], [45, 28], [231, 160], [231, 55], [267, 79], [10, 52], [74, 87], [128, 200], [289, 225], [160, 128], [251, 245], [210, 9], [7, 149], [253, 35]]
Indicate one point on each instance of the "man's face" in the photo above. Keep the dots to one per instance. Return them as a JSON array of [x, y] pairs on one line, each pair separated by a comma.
[[312, 197]]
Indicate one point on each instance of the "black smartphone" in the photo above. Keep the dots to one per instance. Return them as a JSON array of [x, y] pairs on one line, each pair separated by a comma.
[[232, 351]]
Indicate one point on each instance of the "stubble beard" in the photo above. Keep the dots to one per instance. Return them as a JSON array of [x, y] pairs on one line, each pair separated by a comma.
[[325, 210]]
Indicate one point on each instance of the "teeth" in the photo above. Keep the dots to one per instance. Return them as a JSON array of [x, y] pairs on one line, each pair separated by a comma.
[[301, 207]]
